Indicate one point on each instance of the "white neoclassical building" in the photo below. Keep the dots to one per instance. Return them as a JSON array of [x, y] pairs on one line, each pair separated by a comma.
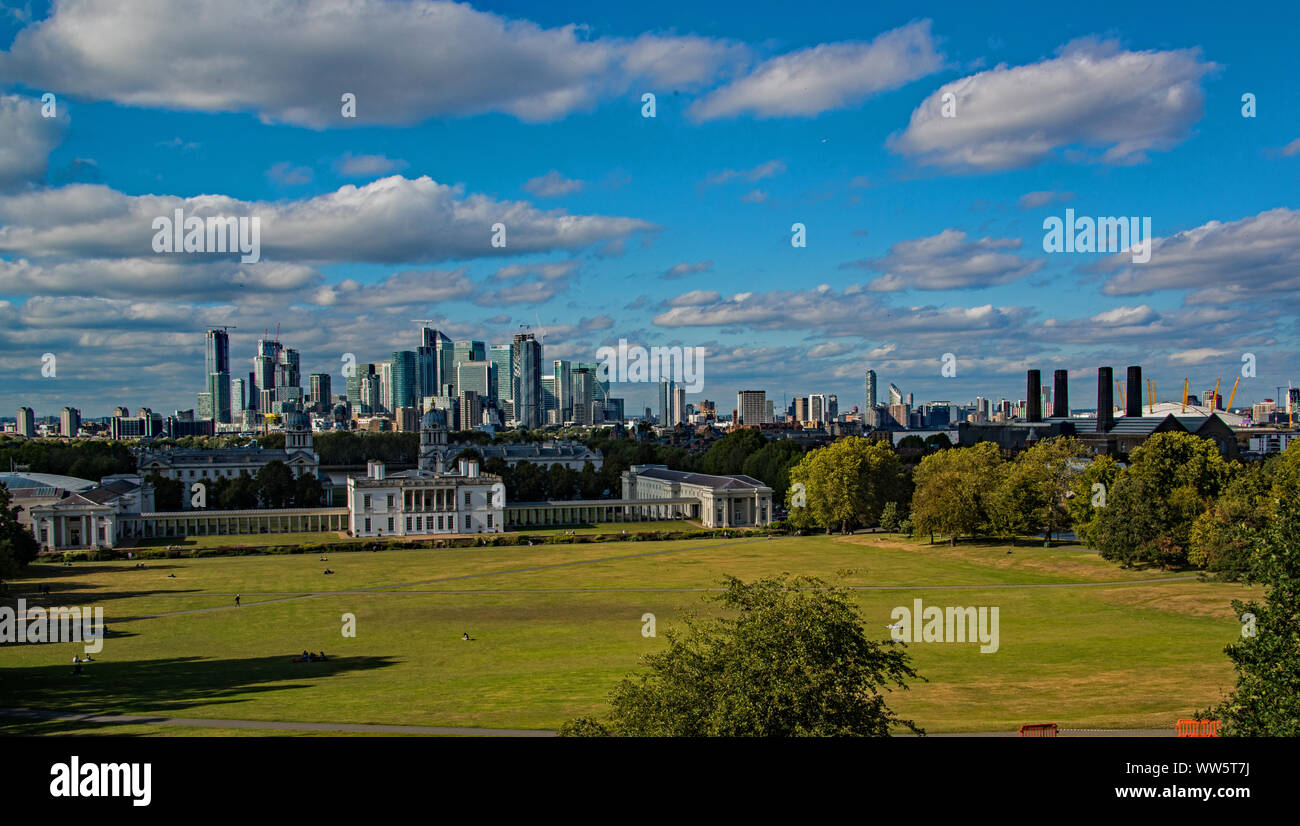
[[723, 501], [432, 499], [94, 518]]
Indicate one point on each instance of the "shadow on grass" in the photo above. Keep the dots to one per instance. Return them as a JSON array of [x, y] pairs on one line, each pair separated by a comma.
[[167, 686]]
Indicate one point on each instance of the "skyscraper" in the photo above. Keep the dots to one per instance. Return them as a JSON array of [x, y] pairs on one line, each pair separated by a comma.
[[429, 362], [584, 396], [216, 362], [526, 382], [405, 379], [26, 425], [563, 374], [475, 376], [752, 406], [869, 411], [679, 404], [70, 421], [665, 402], [895, 395], [502, 357], [319, 385]]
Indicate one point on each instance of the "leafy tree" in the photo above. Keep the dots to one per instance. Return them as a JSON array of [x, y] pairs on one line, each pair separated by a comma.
[[891, 516], [791, 659], [308, 491], [938, 441], [241, 493], [1266, 699], [275, 484], [954, 491], [561, 482], [1151, 507], [1033, 495], [1102, 470], [530, 482], [848, 482], [771, 465], [912, 442], [17, 545], [167, 493], [1223, 538], [590, 483], [728, 454]]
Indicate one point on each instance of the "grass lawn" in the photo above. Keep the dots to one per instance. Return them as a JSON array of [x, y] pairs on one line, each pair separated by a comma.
[[616, 527], [1082, 643]]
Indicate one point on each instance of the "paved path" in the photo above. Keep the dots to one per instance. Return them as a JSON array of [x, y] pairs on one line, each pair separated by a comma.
[[362, 728]]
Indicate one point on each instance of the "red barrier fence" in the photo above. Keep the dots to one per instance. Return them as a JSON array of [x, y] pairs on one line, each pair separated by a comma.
[[1197, 728], [1038, 730]]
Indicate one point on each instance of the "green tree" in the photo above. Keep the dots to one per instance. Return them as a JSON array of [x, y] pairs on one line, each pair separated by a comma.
[[789, 658], [275, 484], [954, 490], [167, 493], [1266, 699], [728, 454], [1089, 487], [891, 516], [1223, 538], [1033, 496], [308, 491], [847, 483], [17, 545], [1151, 507]]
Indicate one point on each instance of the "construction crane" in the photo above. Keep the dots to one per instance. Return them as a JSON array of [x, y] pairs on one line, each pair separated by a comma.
[[1214, 402], [1233, 395], [1119, 390], [1151, 395], [1186, 387]]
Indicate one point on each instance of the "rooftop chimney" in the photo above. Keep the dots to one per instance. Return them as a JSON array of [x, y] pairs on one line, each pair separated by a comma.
[[1105, 399], [1133, 393], [1061, 395], [1034, 413]]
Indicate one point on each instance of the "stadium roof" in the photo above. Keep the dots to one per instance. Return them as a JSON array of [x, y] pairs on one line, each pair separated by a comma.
[[18, 480]]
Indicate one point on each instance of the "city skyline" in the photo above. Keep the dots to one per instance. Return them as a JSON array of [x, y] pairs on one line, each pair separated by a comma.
[[924, 233]]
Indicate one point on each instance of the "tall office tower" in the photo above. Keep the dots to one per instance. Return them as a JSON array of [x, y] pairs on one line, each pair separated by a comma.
[[801, 408], [70, 421], [369, 392], [550, 403], [751, 406], [359, 372], [665, 401], [264, 367], [384, 369], [463, 351], [238, 396], [679, 404], [1292, 400], [26, 425], [319, 385], [475, 376], [871, 392], [769, 413], [832, 407], [526, 381], [817, 408], [562, 372], [204, 405], [471, 410], [429, 359], [502, 357], [287, 368], [895, 395], [584, 396], [602, 385], [404, 381], [216, 365]]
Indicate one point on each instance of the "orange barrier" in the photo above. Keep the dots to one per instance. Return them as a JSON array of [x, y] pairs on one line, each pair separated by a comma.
[[1038, 730], [1197, 728]]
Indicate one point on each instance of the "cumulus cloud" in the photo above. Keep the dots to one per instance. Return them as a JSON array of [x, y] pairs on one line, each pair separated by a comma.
[[1221, 262], [410, 287], [829, 76], [553, 185], [684, 269], [392, 220], [948, 261], [27, 140], [366, 166], [405, 62], [1102, 103]]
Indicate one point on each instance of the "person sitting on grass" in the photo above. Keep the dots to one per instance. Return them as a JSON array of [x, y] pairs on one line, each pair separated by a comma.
[[465, 636]]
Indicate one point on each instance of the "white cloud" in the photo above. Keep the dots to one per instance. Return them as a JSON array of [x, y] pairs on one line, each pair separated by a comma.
[[684, 269], [767, 169], [27, 139], [1094, 96], [948, 261], [553, 185], [291, 61], [825, 77], [367, 166]]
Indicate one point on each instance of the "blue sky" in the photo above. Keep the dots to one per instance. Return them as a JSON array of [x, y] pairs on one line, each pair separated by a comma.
[[924, 233]]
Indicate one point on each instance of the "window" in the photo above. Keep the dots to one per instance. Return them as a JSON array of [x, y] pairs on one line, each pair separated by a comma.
[[489, 520], [367, 524], [467, 521], [408, 523], [419, 523], [469, 498], [390, 501], [365, 505], [440, 526], [390, 524]]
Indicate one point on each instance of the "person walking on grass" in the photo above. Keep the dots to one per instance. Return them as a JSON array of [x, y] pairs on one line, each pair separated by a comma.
[[236, 600]]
